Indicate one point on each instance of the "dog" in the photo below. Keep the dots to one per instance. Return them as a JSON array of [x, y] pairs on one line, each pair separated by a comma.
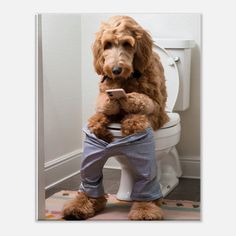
[[124, 58]]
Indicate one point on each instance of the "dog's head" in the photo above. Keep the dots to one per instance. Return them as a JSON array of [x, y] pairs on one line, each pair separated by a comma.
[[121, 47]]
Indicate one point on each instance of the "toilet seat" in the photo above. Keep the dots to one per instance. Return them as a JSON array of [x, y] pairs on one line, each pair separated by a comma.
[[174, 120]]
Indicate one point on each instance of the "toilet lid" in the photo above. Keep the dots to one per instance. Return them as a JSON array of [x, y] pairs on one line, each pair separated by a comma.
[[171, 76]]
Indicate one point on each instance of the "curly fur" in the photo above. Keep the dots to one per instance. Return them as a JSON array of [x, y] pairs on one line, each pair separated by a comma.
[[83, 207], [123, 42], [145, 211]]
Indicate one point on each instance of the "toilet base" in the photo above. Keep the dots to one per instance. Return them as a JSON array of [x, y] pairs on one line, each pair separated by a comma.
[[167, 184], [169, 171]]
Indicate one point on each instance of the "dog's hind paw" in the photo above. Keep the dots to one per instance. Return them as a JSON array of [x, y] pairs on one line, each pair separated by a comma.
[[83, 207], [145, 211]]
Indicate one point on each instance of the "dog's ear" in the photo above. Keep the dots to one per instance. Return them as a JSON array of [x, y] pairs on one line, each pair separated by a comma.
[[143, 49], [98, 60]]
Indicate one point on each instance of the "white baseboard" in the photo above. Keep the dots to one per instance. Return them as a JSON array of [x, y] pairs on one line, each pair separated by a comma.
[[191, 167], [68, 165], [62, 168]]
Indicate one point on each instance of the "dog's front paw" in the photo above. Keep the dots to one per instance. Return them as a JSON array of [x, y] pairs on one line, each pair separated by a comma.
[[132, 104], [102, 133], [145, 211], [134, 123], [137, 103], [97, 125]]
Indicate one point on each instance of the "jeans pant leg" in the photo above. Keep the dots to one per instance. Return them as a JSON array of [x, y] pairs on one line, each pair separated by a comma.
[[139, 149], [141, 156], [93, 159]]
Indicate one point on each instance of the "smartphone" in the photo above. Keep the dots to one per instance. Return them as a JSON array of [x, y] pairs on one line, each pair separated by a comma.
[[116, 93]]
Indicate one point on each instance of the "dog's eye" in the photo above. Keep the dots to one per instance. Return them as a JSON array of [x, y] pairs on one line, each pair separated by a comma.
[[107, 45], [127, 45]]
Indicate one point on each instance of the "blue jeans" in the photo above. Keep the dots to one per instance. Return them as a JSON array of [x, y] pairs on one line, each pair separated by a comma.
[[139, 149]]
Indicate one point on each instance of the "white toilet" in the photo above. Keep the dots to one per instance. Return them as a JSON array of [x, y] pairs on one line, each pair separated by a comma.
[[176, 59]]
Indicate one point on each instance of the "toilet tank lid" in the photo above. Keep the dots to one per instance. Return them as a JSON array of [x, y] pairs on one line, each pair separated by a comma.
[[175, 43]]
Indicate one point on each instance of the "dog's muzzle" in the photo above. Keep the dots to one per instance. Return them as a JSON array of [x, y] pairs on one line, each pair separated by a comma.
[[116, 70]]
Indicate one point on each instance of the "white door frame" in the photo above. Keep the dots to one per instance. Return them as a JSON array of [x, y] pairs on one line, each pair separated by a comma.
[[40, 176]]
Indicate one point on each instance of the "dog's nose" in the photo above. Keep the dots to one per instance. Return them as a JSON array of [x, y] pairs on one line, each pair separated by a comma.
[[116, 70]]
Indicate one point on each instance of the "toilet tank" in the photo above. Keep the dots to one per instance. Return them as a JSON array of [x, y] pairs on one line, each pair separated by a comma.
[[180, 51]]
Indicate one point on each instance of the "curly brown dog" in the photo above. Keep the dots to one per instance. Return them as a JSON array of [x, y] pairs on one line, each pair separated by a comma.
[[124, 58]]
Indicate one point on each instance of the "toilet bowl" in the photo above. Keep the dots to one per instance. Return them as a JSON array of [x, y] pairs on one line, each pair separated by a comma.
[[175, 58], [166, 155]]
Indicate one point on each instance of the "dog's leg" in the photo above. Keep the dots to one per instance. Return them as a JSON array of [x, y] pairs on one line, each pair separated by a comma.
[[97, 124], [106, 105], [146, 211], [137, 103], [83, 207], [134, 123]]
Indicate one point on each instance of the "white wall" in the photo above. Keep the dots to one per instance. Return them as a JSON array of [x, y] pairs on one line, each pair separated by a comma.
[[71, 84], [183, 26], [61, 43]]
